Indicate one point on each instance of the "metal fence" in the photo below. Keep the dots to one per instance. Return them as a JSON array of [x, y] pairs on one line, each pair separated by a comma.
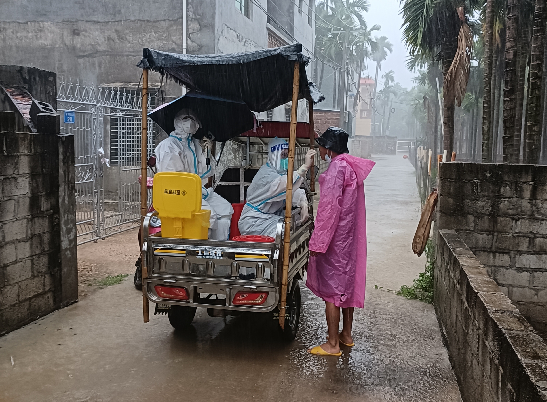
[[106, 124]]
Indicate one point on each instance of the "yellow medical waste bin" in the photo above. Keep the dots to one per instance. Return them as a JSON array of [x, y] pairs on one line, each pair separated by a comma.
[[177, 198]]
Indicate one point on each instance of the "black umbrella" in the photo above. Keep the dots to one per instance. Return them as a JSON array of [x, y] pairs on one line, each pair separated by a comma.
[[222, 118]]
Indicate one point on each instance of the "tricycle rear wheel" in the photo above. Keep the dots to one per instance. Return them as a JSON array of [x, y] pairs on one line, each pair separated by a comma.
[[180, 317], [293, 307]]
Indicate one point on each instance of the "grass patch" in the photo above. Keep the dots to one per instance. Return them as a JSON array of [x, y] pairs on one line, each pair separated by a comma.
[[112, 280], [422, 287]]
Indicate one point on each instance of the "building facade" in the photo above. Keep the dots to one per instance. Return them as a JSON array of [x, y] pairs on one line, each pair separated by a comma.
[[363, 118], [100, 42]]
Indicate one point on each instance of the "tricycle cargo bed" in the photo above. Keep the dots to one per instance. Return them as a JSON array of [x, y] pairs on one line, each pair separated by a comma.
[[225, 275]]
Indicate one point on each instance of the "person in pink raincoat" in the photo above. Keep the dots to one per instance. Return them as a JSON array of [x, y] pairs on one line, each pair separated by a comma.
[[338, 245]]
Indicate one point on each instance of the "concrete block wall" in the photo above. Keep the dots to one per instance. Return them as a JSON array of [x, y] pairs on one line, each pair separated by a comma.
[[500, 211], [495, 353], [38, 267]]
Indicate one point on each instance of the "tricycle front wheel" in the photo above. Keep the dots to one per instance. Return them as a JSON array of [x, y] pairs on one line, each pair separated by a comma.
[[137, 278]]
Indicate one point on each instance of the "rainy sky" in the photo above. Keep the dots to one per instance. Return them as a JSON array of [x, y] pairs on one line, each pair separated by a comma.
[[386, 14]]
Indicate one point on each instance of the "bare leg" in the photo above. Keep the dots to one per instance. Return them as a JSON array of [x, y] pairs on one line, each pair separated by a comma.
[[345, 335], [333, 319]]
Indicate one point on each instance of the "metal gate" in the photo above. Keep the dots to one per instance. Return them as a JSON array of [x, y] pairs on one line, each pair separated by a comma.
[[106, 124]]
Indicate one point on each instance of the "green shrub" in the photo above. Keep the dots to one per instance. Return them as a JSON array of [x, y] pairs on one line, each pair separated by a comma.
[[112, 280], [422, 287]]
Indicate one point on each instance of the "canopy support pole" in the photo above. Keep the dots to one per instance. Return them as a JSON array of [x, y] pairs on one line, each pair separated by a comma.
[[144, 191], [288, 206], [312, 144]]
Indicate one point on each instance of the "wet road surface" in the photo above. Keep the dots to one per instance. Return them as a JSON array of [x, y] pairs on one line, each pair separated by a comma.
[[99, 349]]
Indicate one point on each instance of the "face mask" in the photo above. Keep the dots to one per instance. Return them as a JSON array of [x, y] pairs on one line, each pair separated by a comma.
[[328, 158], [284, 164]]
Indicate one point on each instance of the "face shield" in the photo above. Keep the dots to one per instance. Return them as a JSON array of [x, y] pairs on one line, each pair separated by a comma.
[[278, 154]]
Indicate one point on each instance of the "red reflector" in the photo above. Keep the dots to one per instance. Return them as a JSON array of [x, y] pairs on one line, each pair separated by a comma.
[[169, 292], [252, 298], [254, 239]]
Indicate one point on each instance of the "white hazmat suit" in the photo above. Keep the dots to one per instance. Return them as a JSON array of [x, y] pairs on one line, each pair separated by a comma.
[[265, 205], [181, 153]]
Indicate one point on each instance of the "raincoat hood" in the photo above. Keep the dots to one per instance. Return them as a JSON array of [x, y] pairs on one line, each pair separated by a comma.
[[360, 166]]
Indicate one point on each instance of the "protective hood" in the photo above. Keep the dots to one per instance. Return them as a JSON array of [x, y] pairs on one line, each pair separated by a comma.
[[180, 129], [360, 166], [277, 147]]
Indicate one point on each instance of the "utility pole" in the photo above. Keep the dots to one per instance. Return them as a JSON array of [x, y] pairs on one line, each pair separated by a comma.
[[184, 33]]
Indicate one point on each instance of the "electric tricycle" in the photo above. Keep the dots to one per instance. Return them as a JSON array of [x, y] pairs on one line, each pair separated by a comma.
[[181, 268]]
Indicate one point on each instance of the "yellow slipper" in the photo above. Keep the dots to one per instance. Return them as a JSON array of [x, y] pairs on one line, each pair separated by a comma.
[[318, 350], [349, 345]]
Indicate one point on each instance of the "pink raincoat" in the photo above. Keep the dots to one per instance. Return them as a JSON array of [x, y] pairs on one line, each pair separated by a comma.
[[338, 274]]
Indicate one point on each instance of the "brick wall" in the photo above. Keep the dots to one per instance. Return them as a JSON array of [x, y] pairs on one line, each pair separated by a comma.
[[38, 266], [323, 119], [500, 212], [494, 351]]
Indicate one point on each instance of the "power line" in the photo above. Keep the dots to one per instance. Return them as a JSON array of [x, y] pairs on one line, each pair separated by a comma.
[[335, 65], [290, 35]]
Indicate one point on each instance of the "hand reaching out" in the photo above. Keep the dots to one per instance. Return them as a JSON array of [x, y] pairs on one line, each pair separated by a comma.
[[309, 158]]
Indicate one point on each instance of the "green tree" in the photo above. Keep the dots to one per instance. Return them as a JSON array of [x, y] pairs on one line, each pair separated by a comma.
[[343, 36], [438, 30]]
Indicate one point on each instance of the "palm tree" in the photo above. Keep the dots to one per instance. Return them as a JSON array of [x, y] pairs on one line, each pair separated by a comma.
[[510, 154], [386, 92], [362, 51], [342, 34], [487, 100], [437, 29], [534, 108], [523, 57], [380, 48]]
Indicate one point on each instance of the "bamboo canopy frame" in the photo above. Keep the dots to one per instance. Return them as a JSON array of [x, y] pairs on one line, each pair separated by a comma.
[[288, 203], [144, 191], [296, 91]]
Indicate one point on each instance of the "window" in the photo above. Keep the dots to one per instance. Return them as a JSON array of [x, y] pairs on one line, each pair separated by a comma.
[[300, 4], [365, 114], [125, 125], [243, 7], [310, 12], [274, 40]]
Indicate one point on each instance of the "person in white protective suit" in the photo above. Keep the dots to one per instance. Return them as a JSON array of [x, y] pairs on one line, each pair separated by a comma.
[[265, 205], [181, 153]]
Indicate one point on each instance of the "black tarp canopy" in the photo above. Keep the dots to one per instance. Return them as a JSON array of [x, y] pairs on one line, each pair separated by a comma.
[[262, 79]]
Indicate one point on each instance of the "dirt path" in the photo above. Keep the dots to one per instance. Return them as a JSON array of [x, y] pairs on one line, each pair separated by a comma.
[[115, 255]]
